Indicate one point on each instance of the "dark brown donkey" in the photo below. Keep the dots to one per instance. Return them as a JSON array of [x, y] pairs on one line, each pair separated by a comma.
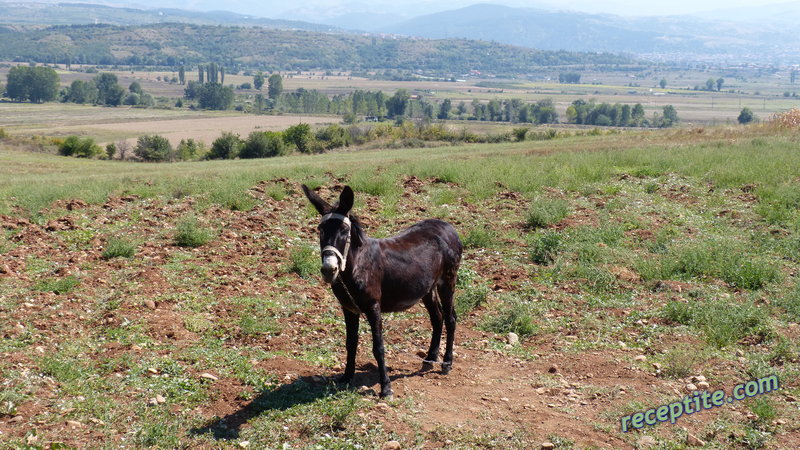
[[372, 276]]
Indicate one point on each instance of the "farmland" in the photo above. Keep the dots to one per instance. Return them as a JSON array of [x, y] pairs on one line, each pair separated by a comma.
[[178, 305]]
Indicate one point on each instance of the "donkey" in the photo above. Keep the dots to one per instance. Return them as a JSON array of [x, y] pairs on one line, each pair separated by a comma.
[[371, 276]]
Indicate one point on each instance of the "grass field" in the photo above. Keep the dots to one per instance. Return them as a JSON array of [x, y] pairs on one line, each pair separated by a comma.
[[178, 305]]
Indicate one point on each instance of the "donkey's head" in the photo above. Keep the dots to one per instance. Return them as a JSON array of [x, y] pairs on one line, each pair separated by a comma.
[[334, 231]]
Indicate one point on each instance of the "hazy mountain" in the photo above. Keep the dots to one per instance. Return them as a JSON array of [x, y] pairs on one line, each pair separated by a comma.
[[551, 30]]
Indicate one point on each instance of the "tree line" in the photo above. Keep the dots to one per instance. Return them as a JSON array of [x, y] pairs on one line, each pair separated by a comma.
[[41, 84], [582, 112], [303, 139]]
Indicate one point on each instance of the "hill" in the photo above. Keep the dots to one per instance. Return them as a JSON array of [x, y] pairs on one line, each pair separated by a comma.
[[35, 13], [274, 49], [676, 35]]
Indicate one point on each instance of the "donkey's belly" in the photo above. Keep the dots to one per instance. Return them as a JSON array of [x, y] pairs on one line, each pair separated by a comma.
[[399, 296]]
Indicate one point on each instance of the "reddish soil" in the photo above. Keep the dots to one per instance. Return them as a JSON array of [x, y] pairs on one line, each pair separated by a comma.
[[555, 392]]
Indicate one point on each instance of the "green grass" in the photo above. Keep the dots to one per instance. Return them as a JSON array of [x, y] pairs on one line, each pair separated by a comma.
[[119, 248], [515, 315], [58, 286], [304, 261], [721, 322], [546, 211], [189, 233], [479, 237]]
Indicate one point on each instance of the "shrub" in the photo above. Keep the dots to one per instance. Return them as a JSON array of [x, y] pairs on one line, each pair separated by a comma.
[[745, 116], [546, 246], [119, 248], [79, 147], [153, 148], [132, 99], [111, 150], [189, 150], [300, 136], [226, 146], [303, 262], [515, 316], [722, 322], [190, 234], [58, 286], [520, 133], [546, 211], [680, 361], [333, 136], [470, 298], [260, 144], [479, 237]]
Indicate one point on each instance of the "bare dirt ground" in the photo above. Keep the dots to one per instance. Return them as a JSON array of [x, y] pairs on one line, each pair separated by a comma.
[[547, 391]]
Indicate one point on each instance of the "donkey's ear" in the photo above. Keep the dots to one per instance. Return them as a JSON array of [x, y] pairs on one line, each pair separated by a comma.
[[346, 199], [321, 205]]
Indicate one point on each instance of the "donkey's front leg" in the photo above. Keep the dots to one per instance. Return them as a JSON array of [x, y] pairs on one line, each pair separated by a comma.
[[376, 324], [351, 324]]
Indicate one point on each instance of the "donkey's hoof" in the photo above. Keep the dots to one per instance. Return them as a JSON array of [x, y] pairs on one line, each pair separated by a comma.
[[387, 395], [446, 368]]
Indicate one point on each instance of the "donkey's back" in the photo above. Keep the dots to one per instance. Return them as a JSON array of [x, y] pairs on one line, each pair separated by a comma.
[[415, 262]]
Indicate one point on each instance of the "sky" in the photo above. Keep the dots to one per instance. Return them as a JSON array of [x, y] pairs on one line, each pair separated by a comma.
[[320, 8], [639, 8]]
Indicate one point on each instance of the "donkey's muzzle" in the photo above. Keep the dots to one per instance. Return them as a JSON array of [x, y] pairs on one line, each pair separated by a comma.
[[330, 267]]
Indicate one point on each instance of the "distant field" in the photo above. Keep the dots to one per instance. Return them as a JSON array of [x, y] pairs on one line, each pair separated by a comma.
[[763, 94], [125, 123]]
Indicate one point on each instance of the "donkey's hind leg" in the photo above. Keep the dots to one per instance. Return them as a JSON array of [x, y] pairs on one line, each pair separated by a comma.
[[431, 302], [446, 289]]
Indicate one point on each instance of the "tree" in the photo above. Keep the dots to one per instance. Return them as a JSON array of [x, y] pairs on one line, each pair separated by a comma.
[[80, 147], [569, 77], [189, 150], [710, 84], [720, 82], [275, 87], [663, 83], [182, 75], [637, 114], [793, 75], [153, 148], [670, 116], [258, 80], [135, 88], [192, 90], [226, 146], [263, 144], [200, 73], [37, 84], [109, 92], [215, 96], [300, 136], [81, 92], [444, 109], [396, 105], [746, 116]]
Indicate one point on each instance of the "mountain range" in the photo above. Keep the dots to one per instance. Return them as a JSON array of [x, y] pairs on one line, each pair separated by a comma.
[[765, 34]]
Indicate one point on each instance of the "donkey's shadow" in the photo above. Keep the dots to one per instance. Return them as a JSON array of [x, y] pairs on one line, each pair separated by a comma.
[[302, 391]]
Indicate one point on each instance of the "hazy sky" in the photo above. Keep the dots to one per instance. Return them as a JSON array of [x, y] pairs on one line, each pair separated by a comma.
[[644, 7], [320, 8]]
